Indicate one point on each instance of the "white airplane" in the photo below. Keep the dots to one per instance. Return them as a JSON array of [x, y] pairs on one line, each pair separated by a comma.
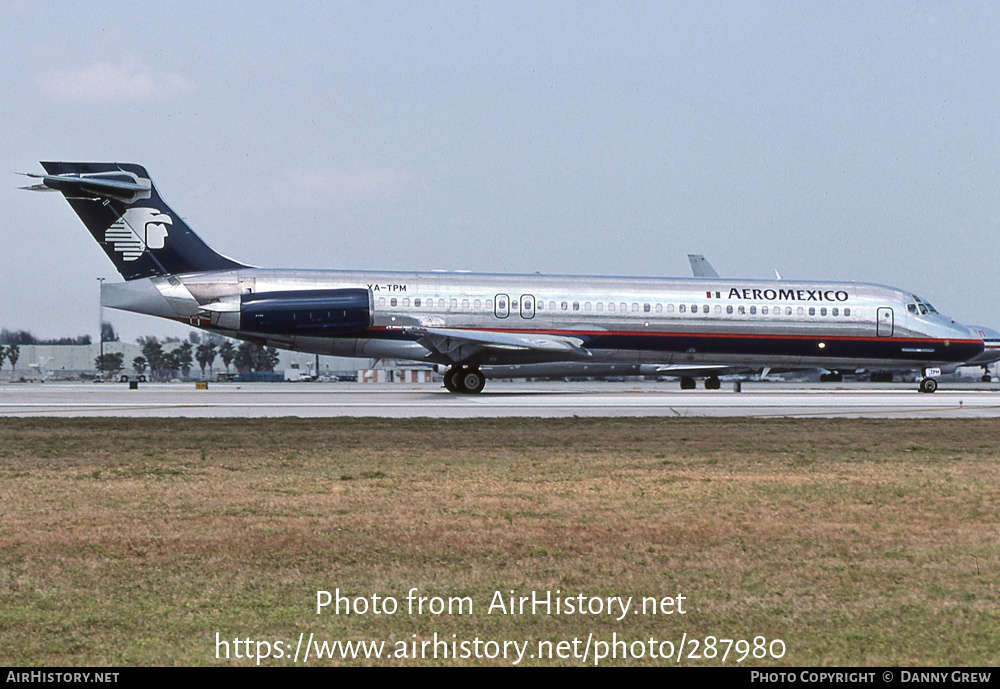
[[469, 320], [43, 373], [991, 350]]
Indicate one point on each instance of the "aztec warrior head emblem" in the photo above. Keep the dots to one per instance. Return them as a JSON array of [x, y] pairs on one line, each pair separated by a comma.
[[139, 229]]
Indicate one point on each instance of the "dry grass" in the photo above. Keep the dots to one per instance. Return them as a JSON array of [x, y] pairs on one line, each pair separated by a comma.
[[856, 542]]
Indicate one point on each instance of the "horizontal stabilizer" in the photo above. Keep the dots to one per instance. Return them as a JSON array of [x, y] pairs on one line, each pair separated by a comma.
[[120, 186]]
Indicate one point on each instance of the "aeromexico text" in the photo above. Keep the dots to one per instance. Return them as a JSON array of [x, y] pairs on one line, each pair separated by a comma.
[[785, 294]]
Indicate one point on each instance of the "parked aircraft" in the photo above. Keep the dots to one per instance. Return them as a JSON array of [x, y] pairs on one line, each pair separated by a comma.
[[990, 353], [468, 320]]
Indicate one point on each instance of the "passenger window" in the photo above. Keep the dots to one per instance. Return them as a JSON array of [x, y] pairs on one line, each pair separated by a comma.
[[586, 306], [729, 309], [847, 311], [822, 311], [381, 301], [743, 310], [682, 308], [753, 310], [659, 308], [788, 310], [836, 311], [800, 311], [416, 302], [576, 306], [763, 310], [704, 308], [718, 309], [565, 305], [645, 308], [812, 310], [670, 308], [392, 302]]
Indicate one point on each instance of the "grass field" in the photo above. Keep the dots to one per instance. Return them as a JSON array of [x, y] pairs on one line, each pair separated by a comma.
[[136, 542]]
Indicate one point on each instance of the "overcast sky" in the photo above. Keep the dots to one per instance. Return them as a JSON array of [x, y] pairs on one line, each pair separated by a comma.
[[841, 141]]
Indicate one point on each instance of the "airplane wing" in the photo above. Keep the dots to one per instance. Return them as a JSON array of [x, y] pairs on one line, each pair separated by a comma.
[[461, 345], [703, 370]]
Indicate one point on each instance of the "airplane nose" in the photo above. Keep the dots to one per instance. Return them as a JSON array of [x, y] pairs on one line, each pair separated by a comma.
[[977, 340]]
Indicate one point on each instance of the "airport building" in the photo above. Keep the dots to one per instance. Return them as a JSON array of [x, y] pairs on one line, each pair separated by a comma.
[[79, 362]]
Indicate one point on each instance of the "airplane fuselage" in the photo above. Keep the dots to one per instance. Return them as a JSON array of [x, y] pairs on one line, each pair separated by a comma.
[[470, 320], [615, 319]]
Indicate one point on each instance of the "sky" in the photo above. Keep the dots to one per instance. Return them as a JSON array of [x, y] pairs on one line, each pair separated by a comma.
[[828, 141]]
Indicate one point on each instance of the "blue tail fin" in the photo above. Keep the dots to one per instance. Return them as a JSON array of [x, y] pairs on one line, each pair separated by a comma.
[[140, 233]]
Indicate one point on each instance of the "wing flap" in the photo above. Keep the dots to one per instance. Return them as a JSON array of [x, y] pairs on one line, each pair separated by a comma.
[[463, 345]]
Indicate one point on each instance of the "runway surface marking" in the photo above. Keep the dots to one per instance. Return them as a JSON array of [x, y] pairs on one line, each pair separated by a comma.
[[536, 399]]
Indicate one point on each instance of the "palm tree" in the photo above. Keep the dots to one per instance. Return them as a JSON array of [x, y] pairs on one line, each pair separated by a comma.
[[205, 354], [228, 352]]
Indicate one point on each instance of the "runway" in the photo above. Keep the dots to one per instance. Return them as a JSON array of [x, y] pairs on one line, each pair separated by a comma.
[[555, 399]]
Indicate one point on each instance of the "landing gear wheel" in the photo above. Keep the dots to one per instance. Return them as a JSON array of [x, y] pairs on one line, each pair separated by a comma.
[[987, 378], [928, 385], [471, 381], [687, 383], [449, 380], [712, 383]]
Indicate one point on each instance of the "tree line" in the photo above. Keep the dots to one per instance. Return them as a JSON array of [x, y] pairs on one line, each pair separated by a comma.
[[161, 363]]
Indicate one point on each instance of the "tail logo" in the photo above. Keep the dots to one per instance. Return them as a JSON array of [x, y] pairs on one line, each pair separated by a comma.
[[137, 230]]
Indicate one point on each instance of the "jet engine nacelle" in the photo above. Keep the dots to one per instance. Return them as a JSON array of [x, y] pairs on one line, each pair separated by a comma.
[[317, 313]]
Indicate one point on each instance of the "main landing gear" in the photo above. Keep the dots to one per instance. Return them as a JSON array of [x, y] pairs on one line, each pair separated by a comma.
[[711, 383], [465, 380]]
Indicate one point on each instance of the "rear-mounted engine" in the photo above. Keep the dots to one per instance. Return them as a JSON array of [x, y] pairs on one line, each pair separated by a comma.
[[308, 312]]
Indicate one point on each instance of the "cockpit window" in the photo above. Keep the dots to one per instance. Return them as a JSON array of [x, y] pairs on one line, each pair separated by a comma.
[[912, 308], [925, 306]]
